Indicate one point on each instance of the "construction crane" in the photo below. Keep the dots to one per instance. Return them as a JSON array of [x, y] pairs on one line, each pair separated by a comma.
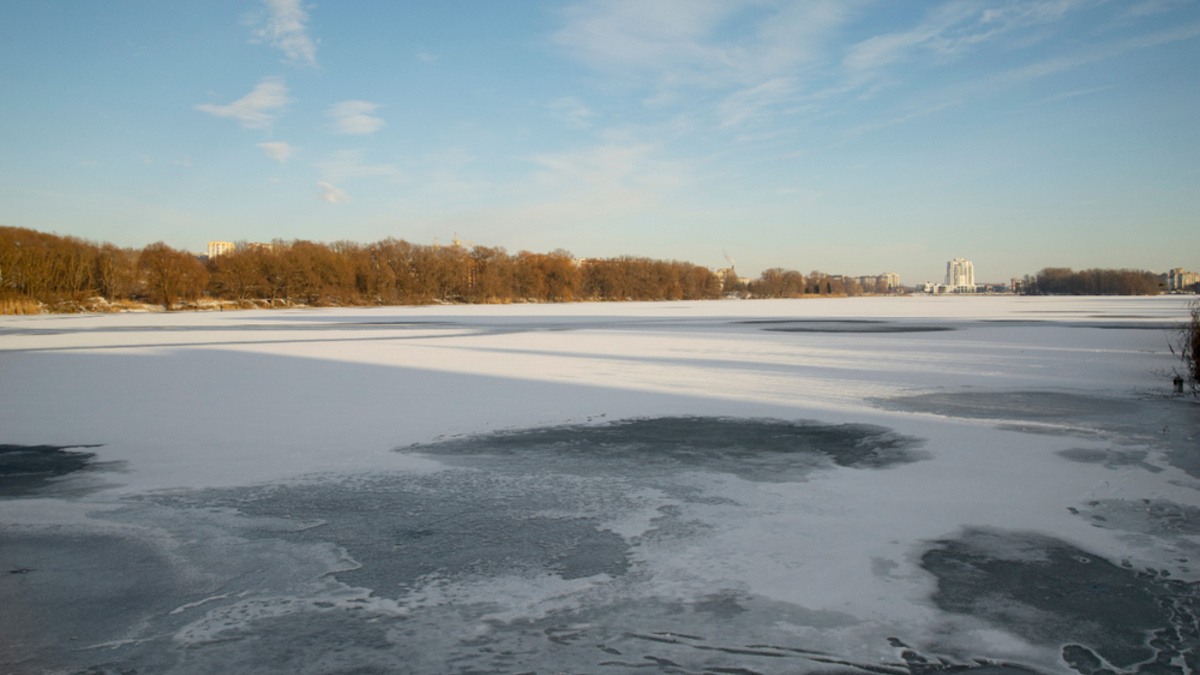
[[457, 242]]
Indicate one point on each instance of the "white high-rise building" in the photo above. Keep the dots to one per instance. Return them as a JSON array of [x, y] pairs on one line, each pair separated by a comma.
[[216, 248], [960, 276], [1179, 280]]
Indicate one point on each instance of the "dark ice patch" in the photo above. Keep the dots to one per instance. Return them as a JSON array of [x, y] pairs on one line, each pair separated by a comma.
[[891, 328], [917, 663], [40, 470], [854, 322], [1050, 430], [883, 568], [1050, 592], [74, 590], [1021, 405], [847, 326], [754, 449], [761, 657], [1149, 516], [310, 640], [721, 605], [404, 531], [1110, 459], [1147, 325]]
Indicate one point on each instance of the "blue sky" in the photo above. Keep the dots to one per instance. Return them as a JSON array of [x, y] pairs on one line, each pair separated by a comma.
[[846, 136]]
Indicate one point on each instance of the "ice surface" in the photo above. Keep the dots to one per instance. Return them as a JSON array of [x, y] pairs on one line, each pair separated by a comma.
[[897, 486]]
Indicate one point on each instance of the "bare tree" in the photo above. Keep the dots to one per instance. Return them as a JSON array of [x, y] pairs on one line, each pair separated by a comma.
[[170, 275]]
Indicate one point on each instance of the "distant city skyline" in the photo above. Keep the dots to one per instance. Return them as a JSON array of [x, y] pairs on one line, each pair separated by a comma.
[[853, 137]]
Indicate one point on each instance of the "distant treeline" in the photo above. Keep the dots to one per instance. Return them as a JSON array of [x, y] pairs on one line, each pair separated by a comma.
[[39, 270], [59, 272], [1064, 281]]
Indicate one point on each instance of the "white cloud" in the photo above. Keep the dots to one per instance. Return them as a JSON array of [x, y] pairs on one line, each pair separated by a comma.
[[355, 117], [186, 161], [273, 180], [253, 109], [426, 57], [277, 150], [331, 194], [286, 29], [348, 164]]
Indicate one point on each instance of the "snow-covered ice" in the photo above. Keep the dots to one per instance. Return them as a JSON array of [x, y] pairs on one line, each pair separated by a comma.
[[871, 485]]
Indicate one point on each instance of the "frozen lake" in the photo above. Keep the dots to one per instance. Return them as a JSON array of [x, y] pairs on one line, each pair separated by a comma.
[[896, 486]]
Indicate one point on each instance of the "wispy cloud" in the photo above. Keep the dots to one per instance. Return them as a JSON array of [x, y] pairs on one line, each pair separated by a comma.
[[848, 66], [287, 30], [1103, 52], [749, 103], [1153, 7], [348, 165], [331, 194], [607, 167], [633, 35], [426, 57], [355, 117], [952, 29], [254, 110], [726, 60], [277, 150], [184, 162], [571, 112], [688, 43], [585, 187], [957, 28], [1073, 94], [903, 118]]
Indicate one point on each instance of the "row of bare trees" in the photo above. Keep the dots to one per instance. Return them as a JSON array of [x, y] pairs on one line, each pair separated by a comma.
[[393, 271], [781, 283], [52, 269], [56, 270], [1064, 281]]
